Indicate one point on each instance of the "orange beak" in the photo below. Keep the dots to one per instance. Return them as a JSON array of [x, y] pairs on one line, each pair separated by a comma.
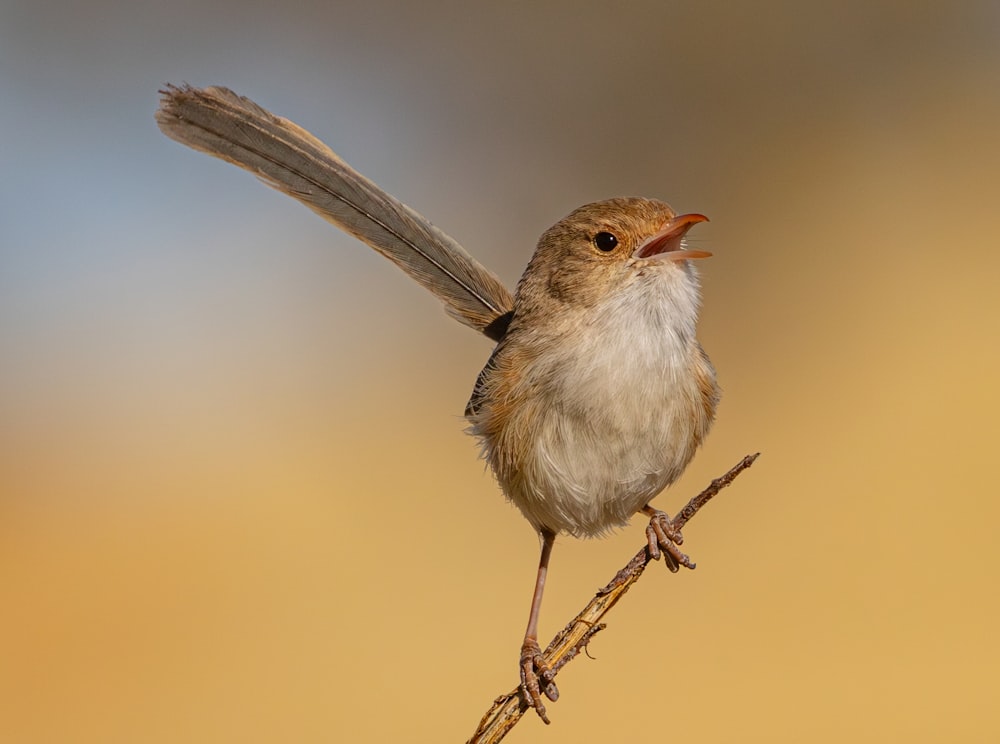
[[667, 242]]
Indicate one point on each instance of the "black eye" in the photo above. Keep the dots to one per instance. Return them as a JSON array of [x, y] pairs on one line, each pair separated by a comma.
[[605, 241]]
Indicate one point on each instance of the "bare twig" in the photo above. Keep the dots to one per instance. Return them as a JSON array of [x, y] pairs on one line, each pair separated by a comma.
[[507, 709]]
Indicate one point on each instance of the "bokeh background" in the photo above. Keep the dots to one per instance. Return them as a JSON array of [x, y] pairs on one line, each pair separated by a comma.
[[237, 503]]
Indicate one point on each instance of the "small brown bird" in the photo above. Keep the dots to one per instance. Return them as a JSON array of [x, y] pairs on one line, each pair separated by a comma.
[[597, 393]]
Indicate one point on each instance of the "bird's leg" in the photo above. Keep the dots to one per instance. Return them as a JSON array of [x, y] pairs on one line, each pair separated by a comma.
[[536, 676], [661, 535]]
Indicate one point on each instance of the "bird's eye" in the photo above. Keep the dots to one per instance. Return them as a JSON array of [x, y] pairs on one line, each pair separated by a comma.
[[605, 241]]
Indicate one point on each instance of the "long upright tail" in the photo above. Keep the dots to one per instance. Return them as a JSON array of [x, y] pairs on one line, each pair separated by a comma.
[[285, 156]]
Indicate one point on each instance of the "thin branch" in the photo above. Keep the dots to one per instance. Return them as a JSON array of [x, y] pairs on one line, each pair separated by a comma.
[[507, 709]]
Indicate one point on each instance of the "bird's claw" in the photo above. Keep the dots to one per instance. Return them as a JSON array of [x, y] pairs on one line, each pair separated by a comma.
[[536, 678], [663, 537]]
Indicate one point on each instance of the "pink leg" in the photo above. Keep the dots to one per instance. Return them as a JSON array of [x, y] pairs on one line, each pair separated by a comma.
[[536, 677]]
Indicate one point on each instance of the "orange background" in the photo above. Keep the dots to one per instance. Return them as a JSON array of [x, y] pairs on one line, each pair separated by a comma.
[[237, 503]]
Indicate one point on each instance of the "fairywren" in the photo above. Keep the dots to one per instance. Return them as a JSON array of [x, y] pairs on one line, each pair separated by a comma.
[[597, 393]]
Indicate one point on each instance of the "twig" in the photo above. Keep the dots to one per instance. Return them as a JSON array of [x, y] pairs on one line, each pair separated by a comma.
[[507, 709]]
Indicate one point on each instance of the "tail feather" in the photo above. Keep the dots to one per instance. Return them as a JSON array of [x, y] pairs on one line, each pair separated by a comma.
[[221, 123]]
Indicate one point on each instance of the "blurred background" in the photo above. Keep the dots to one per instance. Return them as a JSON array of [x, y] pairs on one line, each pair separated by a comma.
[[236, 500]]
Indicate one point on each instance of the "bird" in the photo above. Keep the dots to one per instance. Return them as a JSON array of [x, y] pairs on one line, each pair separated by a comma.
[[597, 393]]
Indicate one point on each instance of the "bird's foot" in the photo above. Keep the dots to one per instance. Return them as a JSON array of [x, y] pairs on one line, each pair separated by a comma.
[[536, 678], [663, 537]]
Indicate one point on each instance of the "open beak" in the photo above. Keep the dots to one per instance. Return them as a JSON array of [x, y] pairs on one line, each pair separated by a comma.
[[667, 242]]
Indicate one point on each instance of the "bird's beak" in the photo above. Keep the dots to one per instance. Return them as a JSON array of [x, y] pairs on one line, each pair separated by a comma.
[[667, 242]]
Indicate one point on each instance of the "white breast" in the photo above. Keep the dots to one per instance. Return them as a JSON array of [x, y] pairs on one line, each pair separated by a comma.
[[617, 414]]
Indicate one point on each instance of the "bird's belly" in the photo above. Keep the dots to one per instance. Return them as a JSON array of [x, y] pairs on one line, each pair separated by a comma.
[[583, 428], [597, 459]]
